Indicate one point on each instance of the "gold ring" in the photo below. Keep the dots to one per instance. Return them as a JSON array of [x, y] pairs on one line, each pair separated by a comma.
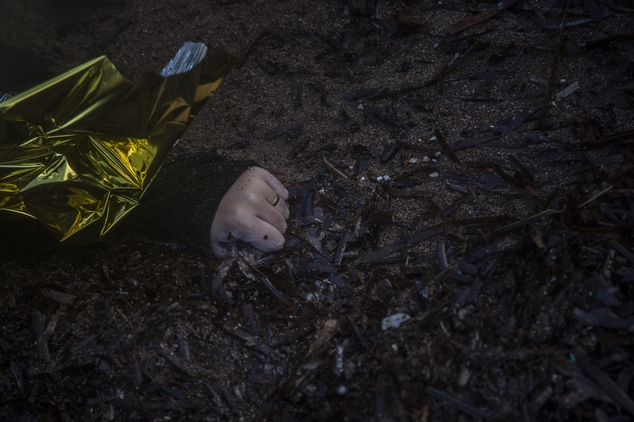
[[276, 200]]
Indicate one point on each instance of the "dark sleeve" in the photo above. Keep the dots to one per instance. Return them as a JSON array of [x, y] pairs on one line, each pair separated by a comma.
[[181, 202]]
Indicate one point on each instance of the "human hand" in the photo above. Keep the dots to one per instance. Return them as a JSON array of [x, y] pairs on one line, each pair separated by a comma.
[[254, 210]]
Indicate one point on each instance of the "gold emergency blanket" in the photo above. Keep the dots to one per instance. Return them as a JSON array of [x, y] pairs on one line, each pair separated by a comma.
[[78, 151]]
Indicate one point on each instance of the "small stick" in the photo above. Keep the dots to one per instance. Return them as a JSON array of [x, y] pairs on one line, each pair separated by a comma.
[[553, 71], [124, 317]]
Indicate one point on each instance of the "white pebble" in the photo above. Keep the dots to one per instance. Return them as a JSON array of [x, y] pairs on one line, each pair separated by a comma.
[[438, 154], [413, 160], [341, 390], [425, 159], [434, 174], [360, 107], [433, 138]]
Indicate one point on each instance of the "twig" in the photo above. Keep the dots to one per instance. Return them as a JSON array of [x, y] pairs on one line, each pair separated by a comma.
[[124, 317], [553, 70]]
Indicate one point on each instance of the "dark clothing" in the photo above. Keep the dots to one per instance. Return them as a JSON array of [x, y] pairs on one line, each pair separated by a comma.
[[181, 202]]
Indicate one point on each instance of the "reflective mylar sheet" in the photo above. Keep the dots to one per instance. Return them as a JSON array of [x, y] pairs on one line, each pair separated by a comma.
[[78, 151]]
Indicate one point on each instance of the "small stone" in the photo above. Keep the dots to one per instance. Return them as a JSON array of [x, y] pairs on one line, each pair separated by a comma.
[[437, 153], [434, 174], [413, 160], [360, 107], [395, 347], [386, 177], [425, 159], [379, 179], [433, 138], [341, 390]]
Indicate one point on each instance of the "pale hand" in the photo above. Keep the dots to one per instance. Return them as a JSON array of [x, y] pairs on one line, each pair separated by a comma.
[[247, 213]]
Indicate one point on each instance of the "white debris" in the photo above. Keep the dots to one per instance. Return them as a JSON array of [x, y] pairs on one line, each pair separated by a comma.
[[434, 174], [413, 160], [360, 107], [425, 159], [379, 179], [341, 390], [386, 177], [394, 321], [433, 138], [437, 153]]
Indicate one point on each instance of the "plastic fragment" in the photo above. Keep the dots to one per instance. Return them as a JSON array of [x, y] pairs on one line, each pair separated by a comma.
[[394, 321]]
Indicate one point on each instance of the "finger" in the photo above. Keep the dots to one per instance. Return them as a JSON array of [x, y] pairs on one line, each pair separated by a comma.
[[282, 208], [273, 217], [263, 236], [220, 249], [275, 184], [269, 195]]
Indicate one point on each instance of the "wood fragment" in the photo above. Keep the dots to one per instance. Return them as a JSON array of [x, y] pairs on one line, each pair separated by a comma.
[[59, 296], [400, 244], [553, 71], [292, 337], [247, 269], [481, 17], [458, 404], [356, 330], [40, 339], [222, 272], [493, 74], [606, 382], [252, 341], [169, 355], [125, 318], [441, 256], [291, 130], [363, 93], [471, 142], [50, 328], [441, 140], [332, 166], [593, 10], [623, 251]]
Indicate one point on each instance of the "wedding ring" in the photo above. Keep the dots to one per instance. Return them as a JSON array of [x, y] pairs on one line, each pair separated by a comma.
[[276, 200]]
